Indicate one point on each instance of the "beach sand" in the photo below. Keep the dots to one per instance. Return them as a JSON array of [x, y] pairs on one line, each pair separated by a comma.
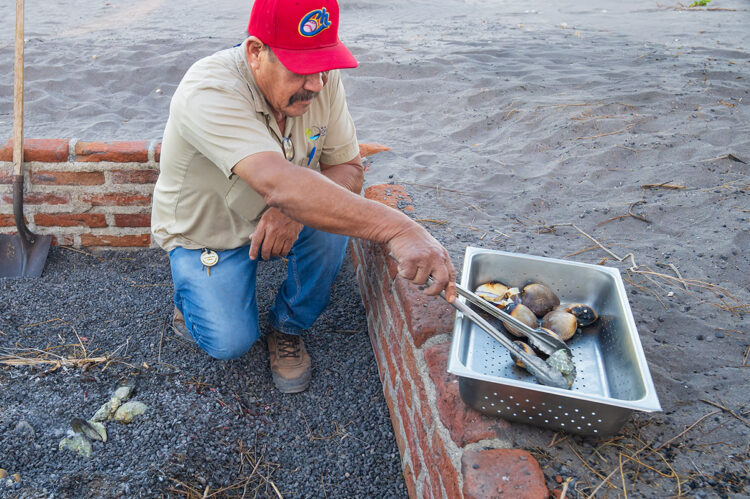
[[508, 121]]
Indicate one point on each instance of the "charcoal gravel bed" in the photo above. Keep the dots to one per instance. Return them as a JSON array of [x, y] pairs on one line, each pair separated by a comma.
[[210, 424]]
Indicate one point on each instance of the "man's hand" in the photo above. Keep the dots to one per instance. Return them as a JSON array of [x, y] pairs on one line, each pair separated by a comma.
[[420, 256], [274, 235]]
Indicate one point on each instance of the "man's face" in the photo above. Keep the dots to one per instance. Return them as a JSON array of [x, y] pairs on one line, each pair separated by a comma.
[[288, 93]]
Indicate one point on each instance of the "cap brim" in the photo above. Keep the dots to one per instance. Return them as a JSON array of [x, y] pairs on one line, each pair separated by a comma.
[[316, 60]]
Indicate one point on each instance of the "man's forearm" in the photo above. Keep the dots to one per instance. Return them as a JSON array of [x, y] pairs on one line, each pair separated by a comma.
[[315, 201]]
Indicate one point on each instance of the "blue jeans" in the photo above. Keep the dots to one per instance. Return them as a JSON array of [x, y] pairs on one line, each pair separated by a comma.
[[220, 309]]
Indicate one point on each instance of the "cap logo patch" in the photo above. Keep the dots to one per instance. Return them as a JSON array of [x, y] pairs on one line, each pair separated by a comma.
[[314, 22]]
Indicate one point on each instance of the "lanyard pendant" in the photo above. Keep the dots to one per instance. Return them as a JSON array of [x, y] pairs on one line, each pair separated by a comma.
[[209, 258]]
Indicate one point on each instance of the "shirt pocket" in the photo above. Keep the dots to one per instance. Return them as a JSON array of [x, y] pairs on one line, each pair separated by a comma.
[[242, 200]]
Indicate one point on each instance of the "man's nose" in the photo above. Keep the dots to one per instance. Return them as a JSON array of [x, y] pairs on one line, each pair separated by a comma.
[[314, 82]]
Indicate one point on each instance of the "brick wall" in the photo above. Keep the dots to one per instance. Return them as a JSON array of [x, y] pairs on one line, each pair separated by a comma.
[[90, 194], [447, 449]]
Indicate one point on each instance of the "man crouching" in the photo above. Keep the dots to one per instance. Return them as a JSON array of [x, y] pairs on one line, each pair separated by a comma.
[[260, 160]]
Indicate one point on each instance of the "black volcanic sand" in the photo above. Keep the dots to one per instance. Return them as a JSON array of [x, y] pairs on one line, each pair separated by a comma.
[[334, 439], [504, 119]]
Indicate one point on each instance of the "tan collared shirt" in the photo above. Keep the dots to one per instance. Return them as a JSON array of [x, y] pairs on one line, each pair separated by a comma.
[[218, 117]]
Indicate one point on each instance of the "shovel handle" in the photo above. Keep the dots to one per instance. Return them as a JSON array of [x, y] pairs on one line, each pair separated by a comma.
[[18, 93]]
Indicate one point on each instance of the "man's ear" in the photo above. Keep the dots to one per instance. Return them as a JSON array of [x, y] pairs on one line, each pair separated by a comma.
[[254, 47]]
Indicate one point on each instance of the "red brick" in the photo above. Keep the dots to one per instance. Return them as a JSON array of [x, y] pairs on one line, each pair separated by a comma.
[[364, 291], [120, 241], [133, 219], [502, 473], [43, 177], [40, 198], [448, 472], [392, 265], [353, 248], [117, 199], [411, 486], [411, 441], [391, 303], [369, 149], [63, 240], [392, 369], [464, 424], [134, 176], [6, 176], [425, 315], [157, 152], [43, 150], [392, 195], [70, 219], [117, 152], [421, 426], [395, 420], [8, 220]]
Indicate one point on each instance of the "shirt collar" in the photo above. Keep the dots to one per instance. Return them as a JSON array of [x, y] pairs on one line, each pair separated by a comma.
[[259, 100]]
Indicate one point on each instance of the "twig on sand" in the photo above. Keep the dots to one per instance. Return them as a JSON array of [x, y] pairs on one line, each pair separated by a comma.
[[628, 214], [607, 134], [69, 248], [584, 250], [727, 301], [431, 220], [248, 484], [724, 408], [724, 156], [681, 6], [687, 429], [663, 185], [606, 479]]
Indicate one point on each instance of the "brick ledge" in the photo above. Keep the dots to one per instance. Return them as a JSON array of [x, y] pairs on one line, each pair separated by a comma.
[[447, 449]]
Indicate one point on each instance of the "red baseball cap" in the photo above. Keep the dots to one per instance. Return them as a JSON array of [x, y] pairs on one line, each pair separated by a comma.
[[302, 33]]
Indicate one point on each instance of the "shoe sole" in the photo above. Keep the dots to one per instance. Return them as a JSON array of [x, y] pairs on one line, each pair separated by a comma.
[[292, 385]]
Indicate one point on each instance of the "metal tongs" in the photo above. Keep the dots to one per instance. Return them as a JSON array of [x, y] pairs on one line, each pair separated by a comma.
[[558, 370]]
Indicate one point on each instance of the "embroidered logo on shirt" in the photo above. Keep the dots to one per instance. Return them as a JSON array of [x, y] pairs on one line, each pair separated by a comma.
[[314, 22], [313, 134]]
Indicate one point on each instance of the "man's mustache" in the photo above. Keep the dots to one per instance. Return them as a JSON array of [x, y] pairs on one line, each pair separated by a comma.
[[303, 95]]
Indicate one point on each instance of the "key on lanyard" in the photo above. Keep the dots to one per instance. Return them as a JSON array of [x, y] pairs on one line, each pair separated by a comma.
[[209, 258]]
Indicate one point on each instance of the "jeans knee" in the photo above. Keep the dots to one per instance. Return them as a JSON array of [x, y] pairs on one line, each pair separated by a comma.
[[227, 347]]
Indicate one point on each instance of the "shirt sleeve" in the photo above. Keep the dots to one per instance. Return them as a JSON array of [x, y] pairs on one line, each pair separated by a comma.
[[341, 137], [220, 123]]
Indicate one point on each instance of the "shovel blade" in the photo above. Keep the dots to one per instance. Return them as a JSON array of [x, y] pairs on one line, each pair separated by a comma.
[[19, 258]]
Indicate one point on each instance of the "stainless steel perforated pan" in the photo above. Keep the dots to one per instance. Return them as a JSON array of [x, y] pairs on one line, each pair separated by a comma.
[[612, 380]]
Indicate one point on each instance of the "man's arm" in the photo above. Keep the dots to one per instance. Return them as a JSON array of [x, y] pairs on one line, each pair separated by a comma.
[[316, 201], [276, 233], [350, 175]]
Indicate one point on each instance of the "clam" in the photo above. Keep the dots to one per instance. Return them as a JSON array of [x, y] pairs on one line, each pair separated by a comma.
[[526, 348], [539, 298], [492, 291], [585, 314], [522, 313], [563, 323], [512, 295]]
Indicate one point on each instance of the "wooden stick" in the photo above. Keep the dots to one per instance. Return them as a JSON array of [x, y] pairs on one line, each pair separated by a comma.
[[607, 134], [686, 430], [663, 185]]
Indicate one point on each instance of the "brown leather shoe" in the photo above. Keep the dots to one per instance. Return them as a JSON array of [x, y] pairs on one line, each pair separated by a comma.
[[291, 367], [179, 327]]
